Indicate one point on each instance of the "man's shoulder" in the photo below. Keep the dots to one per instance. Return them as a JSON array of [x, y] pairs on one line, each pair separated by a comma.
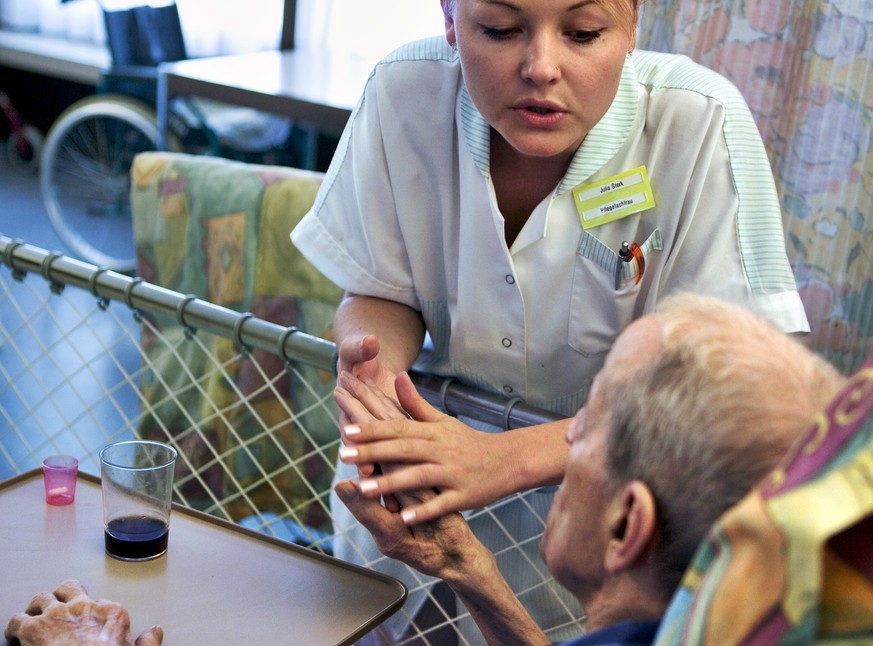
[[626, 633]]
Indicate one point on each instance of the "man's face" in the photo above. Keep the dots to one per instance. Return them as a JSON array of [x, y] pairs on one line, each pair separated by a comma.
[[579, 525]]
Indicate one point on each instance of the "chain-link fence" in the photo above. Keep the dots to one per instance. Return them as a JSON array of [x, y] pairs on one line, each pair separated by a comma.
[[89, 356]]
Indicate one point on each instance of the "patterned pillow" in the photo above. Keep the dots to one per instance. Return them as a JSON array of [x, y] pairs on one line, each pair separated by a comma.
[[792, 563]]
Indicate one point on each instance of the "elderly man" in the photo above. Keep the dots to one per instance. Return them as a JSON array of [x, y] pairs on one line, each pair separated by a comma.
[[694, 405]]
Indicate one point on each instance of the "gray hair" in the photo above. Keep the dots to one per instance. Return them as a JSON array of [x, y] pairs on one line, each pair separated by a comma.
[[710, 416]]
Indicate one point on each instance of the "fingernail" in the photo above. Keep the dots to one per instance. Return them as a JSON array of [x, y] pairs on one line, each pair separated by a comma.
[[367, 486], [408, 516], [352, 430], [348, 452]]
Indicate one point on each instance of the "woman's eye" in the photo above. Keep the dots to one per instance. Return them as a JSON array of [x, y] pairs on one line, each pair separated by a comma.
[[497, 33], [585, 36]]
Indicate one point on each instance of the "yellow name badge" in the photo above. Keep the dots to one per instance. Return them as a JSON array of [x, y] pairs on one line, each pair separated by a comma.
[[614, 198]]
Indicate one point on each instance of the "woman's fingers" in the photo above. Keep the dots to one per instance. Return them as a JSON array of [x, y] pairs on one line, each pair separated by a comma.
[[367, 392]]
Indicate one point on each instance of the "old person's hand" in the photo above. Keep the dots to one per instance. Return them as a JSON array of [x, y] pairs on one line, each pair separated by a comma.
[[444, 548], [69, 617], [431, 451]]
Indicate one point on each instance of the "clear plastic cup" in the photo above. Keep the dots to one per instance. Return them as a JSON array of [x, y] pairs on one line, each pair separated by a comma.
[[137, 484]]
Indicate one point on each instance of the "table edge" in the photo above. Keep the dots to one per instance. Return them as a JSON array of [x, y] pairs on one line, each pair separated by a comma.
[[177, 508]]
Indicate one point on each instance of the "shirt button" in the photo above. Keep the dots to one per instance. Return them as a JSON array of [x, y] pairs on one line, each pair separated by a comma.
[[507, 389], [510, 279], [507, 343]]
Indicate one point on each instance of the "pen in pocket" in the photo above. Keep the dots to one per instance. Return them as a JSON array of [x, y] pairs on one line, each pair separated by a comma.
[[624, 256], [627, 252]]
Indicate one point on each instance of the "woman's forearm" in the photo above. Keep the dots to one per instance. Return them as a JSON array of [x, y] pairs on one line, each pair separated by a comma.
[[399, 328], [538, 454]]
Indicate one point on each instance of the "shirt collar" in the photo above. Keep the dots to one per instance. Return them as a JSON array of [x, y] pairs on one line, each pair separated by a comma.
[[601, 144]]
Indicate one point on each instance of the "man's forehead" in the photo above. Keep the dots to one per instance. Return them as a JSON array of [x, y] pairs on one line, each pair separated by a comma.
[[636, 346]]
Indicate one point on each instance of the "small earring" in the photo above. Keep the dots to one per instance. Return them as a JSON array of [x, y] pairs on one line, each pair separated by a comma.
[[557, 68]]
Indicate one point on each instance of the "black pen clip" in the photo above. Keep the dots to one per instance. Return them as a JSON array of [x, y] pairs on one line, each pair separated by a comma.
[[624, 256]]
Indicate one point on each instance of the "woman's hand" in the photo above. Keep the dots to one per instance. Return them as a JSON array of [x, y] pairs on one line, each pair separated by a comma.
[[362, 354], [360, 357], [467, 468]]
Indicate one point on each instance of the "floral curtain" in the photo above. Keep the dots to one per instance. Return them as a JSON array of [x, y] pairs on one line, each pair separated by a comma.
[[805, 69]]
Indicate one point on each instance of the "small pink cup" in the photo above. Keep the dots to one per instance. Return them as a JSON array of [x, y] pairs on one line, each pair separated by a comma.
[[59, 474]]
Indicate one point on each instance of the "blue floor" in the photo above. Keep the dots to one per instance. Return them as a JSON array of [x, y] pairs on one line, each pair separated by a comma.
[[22, 214], [58, 354]]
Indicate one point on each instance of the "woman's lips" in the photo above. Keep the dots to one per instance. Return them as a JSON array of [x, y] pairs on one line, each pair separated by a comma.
[[539, 115]]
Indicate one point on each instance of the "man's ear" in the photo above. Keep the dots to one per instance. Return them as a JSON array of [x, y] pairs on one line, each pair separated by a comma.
[[632, 526]]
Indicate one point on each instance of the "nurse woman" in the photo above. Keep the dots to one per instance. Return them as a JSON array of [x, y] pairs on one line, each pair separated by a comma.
[[513, 194]]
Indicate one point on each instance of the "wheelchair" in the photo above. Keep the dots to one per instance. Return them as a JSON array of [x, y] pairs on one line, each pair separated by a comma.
[[25, 141], [84, 169]]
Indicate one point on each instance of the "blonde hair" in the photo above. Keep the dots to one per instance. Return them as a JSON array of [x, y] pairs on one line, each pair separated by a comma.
[[616, 9]]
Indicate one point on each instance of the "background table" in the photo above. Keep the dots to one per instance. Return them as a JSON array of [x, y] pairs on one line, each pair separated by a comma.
[[218, 583], [314, 86]]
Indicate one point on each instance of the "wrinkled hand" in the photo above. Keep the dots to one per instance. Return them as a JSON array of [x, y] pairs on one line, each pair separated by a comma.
[[431, 451], [442, 548], [69, 617]]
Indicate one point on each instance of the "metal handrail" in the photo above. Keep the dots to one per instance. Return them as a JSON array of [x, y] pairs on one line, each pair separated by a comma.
[[250, 331]]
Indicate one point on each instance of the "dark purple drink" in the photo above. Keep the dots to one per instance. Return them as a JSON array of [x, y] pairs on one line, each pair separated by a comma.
[[136, 538]]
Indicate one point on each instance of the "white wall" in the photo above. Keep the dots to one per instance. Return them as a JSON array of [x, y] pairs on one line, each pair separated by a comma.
[[366, 28]]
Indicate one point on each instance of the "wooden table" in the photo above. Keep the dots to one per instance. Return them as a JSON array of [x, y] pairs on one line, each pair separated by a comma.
[[218, 584], [313, 86]]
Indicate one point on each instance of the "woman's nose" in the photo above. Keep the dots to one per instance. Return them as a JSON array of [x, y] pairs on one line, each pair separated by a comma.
[[541, 65]]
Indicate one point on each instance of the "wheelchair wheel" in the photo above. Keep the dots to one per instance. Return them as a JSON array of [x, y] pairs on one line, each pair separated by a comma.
[[85, 176]]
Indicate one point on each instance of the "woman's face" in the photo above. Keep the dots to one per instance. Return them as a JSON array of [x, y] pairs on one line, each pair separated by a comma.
[[541, 72]]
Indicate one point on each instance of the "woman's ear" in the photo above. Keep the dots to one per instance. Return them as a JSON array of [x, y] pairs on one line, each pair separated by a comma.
[[632, 526], [451, 37], [635, 22]]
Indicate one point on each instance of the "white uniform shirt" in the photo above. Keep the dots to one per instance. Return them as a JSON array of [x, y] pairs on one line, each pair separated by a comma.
[[408, 212]]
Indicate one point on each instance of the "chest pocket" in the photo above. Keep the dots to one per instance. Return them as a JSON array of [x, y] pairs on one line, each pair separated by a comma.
[[605, 293]]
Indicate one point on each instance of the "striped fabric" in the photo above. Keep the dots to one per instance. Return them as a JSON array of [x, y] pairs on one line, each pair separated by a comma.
[[792, 562], [760, 236]]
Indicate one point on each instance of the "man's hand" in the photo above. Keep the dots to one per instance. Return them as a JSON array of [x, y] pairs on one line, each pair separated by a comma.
[[443, 548], [447, 548], [69, 617]]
